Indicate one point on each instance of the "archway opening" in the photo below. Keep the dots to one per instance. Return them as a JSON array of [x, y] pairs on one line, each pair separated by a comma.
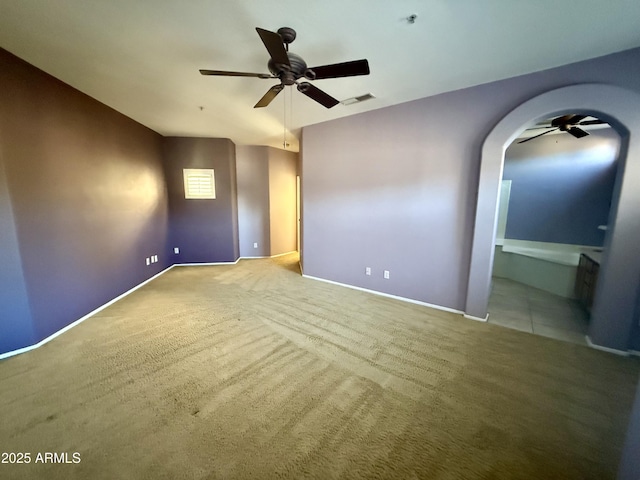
[[555, 199], [617, 292]]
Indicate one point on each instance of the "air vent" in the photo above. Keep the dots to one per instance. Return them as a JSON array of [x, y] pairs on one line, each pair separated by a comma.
[[361, 98]]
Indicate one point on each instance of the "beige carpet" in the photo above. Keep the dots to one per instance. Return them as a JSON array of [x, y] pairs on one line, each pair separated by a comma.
[[251, 371]]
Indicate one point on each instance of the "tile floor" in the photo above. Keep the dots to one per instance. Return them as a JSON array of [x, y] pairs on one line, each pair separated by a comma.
[[521, 307]]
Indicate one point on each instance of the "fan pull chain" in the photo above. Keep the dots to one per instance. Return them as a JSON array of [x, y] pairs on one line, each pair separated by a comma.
[[290, 109], [284, 120]]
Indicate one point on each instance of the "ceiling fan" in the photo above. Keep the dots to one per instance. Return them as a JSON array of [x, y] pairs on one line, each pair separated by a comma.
[[567, 123], [289, 68]]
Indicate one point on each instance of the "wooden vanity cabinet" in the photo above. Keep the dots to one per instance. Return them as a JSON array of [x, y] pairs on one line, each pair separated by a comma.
[[586, 280]]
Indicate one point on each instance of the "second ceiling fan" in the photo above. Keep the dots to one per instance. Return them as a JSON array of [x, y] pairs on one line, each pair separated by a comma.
[[569, 124], [290, 68]]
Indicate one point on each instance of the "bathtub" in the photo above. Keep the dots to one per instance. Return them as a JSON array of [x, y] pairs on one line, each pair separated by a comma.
[[548, 266]]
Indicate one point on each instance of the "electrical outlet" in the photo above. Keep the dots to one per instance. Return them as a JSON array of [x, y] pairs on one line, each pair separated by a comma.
[[148, 261], [255, 244], [176, 250], [386, 274], [367, 271]]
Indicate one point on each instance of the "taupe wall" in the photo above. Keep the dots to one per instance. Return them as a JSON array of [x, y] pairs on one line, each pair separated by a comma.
[[252, 166], [630, 462], [396, 188], [205, 231], [87, 192], [282, 200]]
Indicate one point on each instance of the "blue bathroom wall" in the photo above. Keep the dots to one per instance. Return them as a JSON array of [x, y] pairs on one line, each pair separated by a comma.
[[561, 187]]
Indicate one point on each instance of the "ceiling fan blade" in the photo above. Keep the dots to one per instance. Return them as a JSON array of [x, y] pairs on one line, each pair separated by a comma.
[[592, 122], [575, 119], [275, 46], [269, 96], [563, 120], [536, 136], [336, 70], [318, 95], [224, 73], [577, 132]]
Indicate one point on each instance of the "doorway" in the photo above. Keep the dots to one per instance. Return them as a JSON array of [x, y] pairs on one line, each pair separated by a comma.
[[616, 294], [554, 207], [298, 213]]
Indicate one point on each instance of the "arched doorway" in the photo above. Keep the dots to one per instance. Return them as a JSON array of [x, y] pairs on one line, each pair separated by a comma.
[[615, 299]]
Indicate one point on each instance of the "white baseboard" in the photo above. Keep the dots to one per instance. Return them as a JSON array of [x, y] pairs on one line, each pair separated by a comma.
[[622, 353], [111, 302], [282, 254], [269, 256], [388, 295], [205, 264], [80, 320], [477, 319]]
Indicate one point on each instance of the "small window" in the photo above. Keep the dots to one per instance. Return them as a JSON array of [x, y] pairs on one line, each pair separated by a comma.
[[199, 183]]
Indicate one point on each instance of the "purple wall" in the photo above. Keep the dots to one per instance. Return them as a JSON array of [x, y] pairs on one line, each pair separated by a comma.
[[84, 200], [87, 193], [16, 330], [561, 187], [205, 231], [396, 188]]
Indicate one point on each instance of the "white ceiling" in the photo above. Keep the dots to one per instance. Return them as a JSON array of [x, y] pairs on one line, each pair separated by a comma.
[[142, 57]]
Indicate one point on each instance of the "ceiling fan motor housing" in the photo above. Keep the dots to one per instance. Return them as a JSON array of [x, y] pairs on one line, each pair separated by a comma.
[[288, 74]]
